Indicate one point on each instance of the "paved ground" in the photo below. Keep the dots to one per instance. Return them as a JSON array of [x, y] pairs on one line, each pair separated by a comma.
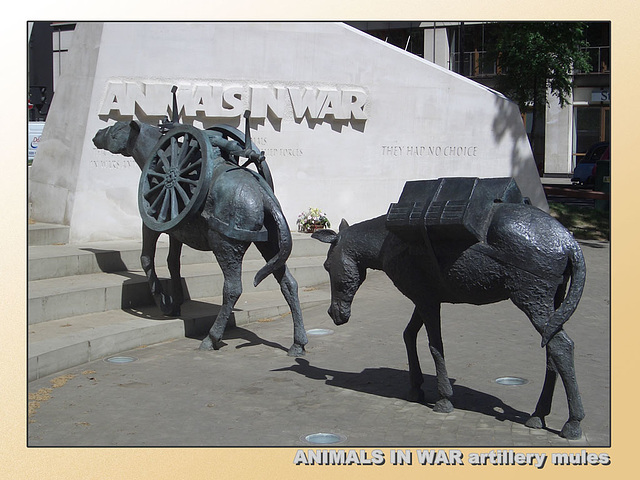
[[351, 383]]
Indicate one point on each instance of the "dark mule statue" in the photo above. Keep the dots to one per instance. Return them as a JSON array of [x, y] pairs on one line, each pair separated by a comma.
[[244, 200], [526, 256]]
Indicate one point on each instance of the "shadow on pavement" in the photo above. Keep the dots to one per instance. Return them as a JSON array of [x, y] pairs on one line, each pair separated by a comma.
[[251, 339], [393, 383]]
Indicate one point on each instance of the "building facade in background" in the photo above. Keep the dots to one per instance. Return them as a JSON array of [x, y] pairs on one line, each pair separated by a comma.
[[48, 45], [568, 132]]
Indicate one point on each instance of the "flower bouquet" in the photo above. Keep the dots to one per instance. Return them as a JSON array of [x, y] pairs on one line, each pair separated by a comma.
[[312, 220]]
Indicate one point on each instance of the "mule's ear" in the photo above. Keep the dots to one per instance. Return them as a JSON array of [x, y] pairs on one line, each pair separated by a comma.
[[343, 225], [325, 235], [135, 125]]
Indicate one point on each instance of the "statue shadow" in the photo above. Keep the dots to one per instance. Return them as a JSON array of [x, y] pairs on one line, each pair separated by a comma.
[[507, 125], [109, 261], [198, 318], [135, 288], [250, 338], [393, 383]]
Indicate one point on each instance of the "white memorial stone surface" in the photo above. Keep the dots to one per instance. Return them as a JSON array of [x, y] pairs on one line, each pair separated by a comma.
[[344, 119]]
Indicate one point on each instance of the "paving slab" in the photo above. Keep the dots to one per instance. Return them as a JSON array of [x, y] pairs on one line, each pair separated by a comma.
[[351, 383]]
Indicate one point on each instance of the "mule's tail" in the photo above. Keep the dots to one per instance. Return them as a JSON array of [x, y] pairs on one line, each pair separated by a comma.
[[285, 242], [578, 272]]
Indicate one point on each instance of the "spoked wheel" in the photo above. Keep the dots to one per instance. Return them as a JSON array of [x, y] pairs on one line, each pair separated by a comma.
[[233, 133], [176, 178]]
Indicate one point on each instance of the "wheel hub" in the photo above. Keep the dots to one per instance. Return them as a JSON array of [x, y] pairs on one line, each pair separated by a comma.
[[172, 178]]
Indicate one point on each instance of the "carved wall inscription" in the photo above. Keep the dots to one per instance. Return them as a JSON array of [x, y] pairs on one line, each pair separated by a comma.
[[457, 151]]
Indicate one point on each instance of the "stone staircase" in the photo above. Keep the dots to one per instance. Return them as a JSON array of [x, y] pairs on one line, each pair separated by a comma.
[[91, 301]]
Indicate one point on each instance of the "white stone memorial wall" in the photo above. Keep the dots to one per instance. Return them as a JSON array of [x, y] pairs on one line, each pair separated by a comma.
[[345, 119]]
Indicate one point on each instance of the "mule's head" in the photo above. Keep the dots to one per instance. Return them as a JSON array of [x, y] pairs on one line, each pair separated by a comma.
[[131, 139], [114, 138], [345, 274]]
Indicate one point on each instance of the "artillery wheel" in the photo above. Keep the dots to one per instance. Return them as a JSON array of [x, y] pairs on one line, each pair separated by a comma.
[[233, 133], [175, 179]]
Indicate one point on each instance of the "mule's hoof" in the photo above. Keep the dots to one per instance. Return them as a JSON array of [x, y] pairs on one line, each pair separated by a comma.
[[443, 406], [415, 395], [208, 344], [296, 351], [535, 422], [571, 430]]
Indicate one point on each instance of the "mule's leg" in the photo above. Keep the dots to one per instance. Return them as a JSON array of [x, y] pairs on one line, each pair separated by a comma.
[[431, 317], [559, 358], [289, 289], [173, 262], [147, 260], [561, 349], [229, 254], [543, 407], [410, 336]]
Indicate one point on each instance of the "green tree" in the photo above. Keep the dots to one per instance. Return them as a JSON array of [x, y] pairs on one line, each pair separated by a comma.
[[536, 57]]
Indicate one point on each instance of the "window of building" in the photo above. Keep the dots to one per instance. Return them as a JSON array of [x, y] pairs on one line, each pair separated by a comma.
[[598, 35], [62, 35], [592, 125], [469, 44]]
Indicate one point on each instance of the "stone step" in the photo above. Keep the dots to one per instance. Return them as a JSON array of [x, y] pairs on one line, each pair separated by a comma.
[[54, 261], [57, 298], [92, 300], [56, 345], [47, 234]]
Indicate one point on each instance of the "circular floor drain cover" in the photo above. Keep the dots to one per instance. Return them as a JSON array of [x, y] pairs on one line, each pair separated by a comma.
[[324, 438], [120, 359], [319, 331], [511, 381]]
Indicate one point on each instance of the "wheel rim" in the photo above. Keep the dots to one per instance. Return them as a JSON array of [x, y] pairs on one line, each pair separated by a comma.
[[175, 179]]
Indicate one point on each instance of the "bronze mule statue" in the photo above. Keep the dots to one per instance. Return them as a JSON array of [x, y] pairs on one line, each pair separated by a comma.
[[525, 256], [241, 198]]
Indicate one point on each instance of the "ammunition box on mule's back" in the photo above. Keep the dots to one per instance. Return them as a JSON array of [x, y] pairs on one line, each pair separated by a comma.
[[449, 209]]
